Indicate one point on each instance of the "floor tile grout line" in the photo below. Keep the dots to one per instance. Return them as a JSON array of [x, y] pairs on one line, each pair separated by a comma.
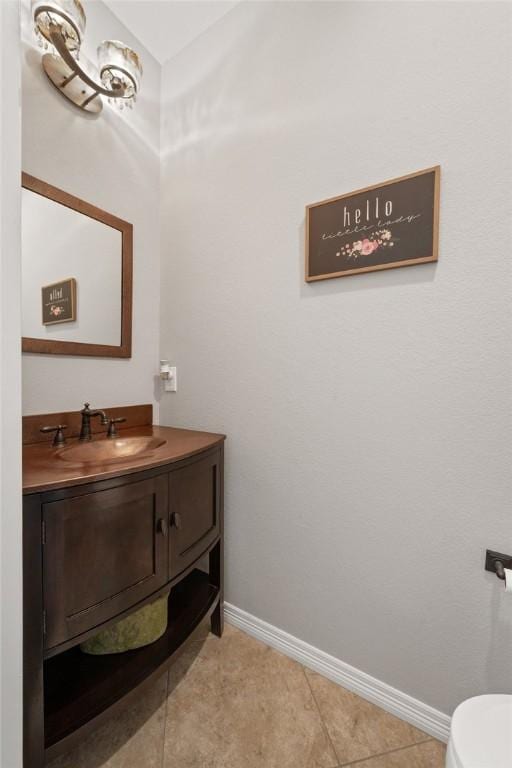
[[370, 757], [384, 754], [167, 675], [324, 726]]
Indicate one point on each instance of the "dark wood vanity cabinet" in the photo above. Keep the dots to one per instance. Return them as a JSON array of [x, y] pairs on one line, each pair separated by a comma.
[[102, 553], [194, 503], [96, 552]]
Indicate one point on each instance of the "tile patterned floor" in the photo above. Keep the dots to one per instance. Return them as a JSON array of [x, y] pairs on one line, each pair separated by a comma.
[[235, 703]]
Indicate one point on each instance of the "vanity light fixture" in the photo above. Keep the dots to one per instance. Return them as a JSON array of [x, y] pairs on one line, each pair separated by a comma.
[[59, 28]]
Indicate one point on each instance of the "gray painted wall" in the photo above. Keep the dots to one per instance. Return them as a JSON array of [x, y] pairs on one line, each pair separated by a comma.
[[368, 418], [10, 397], [112, 161]]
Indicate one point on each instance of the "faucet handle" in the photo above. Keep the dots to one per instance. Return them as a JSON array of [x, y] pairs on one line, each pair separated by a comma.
[[112, 431], [59, 438]]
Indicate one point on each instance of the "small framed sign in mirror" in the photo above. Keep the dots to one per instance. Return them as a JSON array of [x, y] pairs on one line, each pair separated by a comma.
[[89, 313], [59, 302], [391, 224]]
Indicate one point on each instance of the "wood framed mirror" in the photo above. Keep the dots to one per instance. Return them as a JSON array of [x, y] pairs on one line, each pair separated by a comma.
[[77, 272]]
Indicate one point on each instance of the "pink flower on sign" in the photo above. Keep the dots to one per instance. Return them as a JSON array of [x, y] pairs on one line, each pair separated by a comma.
[[368, 247], [381, 239]]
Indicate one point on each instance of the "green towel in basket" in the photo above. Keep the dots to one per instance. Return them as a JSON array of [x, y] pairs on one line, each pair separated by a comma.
[[141, 628]]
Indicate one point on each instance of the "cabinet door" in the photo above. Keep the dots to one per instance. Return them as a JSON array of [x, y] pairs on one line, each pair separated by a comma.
[[194, 504], [103, 553]]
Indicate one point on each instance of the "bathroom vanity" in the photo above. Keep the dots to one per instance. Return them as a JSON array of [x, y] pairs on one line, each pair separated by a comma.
[[109, 526]]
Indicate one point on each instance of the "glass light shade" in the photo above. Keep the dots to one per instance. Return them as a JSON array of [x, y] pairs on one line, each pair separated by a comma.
[[68, 15], [120, 68]]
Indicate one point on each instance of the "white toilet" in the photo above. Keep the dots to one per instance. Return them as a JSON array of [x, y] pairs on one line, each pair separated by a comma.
[[481, 733]]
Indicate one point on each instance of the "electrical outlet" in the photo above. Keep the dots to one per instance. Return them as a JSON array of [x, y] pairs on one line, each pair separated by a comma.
[[171, 384]]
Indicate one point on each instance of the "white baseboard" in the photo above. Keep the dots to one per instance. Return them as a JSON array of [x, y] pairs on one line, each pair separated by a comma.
[[415, 712]]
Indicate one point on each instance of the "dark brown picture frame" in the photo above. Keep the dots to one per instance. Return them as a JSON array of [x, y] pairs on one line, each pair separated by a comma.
[[433, 249], [51, 347]]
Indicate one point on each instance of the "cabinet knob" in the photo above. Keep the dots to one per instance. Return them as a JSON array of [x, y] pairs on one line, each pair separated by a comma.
[[161, 526], [176, 520]]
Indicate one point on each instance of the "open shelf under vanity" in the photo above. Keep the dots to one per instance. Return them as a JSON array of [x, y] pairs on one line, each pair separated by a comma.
[[80, 688]]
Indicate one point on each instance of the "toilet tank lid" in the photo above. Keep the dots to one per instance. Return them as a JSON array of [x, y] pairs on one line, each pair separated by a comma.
[[481, 732]]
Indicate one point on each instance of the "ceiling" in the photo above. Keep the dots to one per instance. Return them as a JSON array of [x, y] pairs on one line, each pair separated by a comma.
[[165, 27]]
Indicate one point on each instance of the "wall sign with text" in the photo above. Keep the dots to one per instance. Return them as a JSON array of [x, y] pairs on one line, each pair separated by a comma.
[[59, 302], [392, 224]]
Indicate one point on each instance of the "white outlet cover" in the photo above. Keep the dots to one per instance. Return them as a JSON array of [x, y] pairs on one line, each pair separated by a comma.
[[171, 384]]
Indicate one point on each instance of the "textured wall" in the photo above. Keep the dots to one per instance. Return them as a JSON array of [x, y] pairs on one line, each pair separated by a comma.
[[10, 399], [113, 162], [369, 418]]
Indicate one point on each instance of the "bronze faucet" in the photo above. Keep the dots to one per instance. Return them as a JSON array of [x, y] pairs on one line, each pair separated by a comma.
[[87, 414]]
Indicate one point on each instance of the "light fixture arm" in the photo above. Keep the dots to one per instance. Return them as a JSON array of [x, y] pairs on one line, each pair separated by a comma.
[[58, 41]]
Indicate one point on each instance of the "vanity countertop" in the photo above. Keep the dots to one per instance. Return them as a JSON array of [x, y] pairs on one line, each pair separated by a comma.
[[45, 470]]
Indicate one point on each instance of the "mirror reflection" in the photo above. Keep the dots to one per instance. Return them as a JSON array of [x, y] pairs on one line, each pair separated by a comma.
[[76, 275], [71, 274]]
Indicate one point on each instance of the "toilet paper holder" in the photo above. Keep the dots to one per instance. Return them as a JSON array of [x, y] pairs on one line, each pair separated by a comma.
[[496, 562]]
